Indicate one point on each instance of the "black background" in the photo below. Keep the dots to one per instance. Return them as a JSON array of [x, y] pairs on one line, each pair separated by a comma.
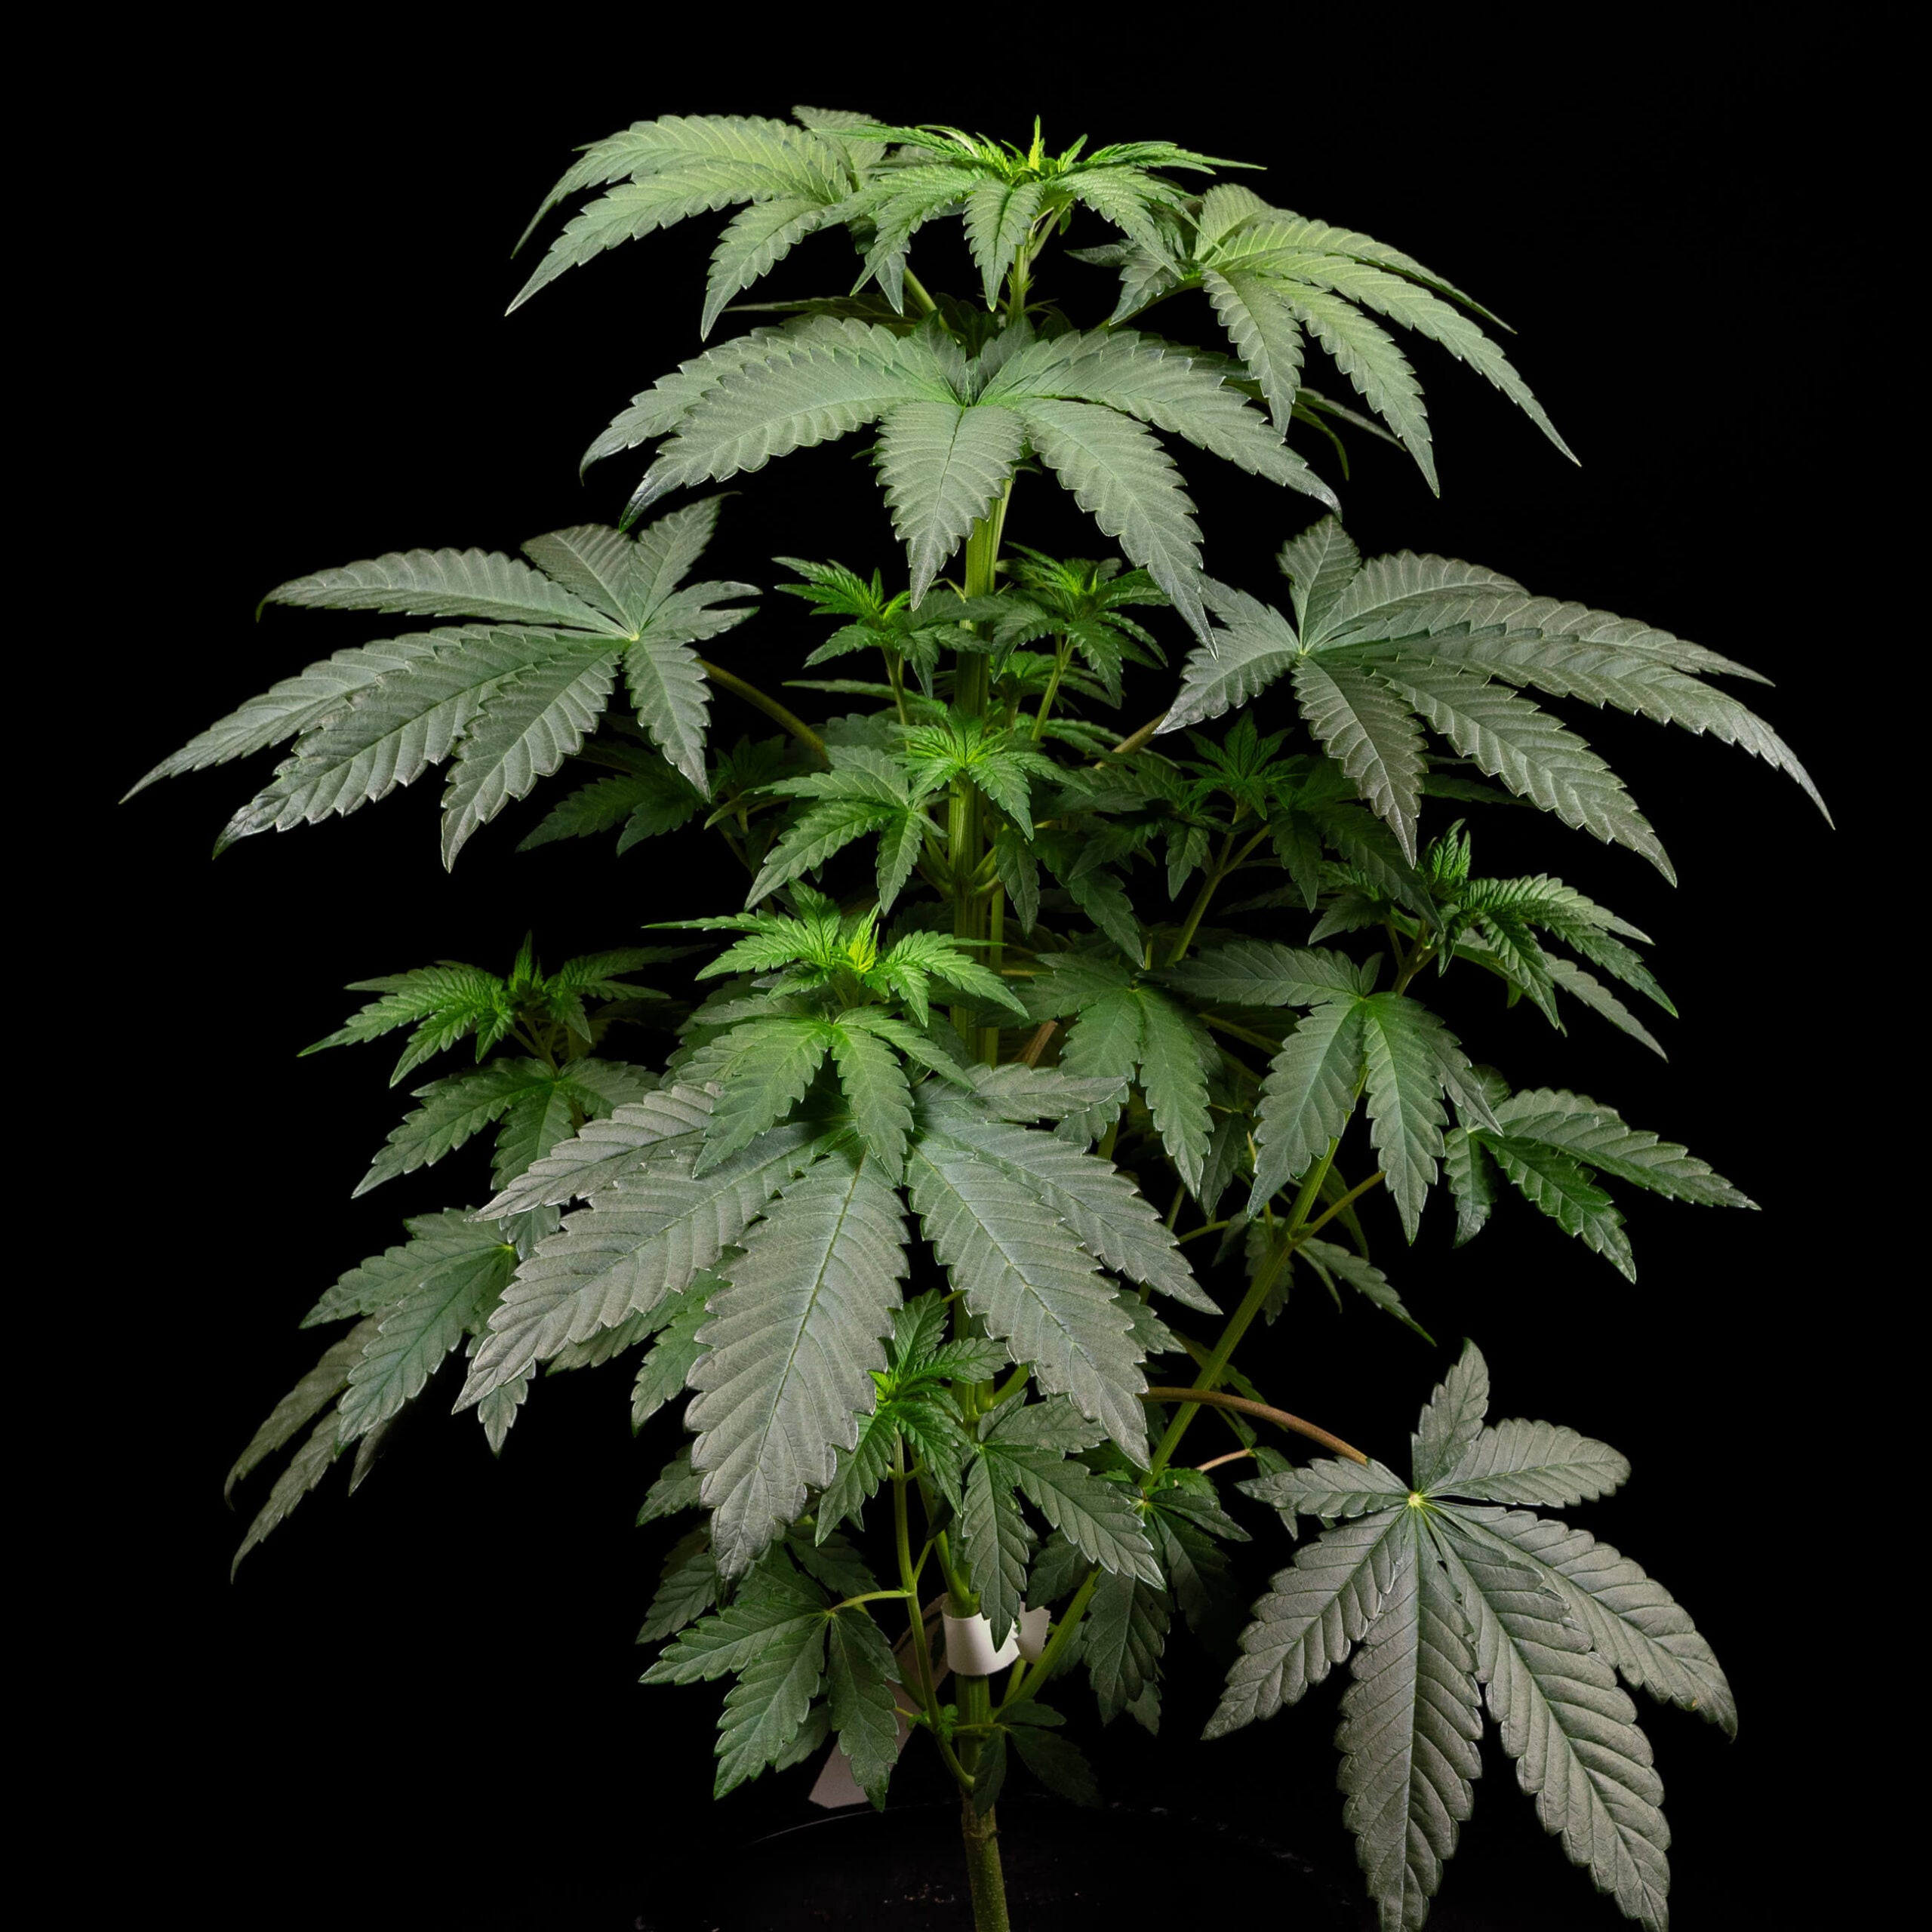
[[420, 1707]]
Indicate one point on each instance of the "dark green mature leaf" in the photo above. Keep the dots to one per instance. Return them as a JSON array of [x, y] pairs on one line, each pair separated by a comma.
[[687, 1588], [1314, 1614], [1120, 1643], [860, 1674], [665, 1371], [305, 1468], [1308, 1096], [450, 1298], [790, 1349], [1105, 1214], [1631, 1618], [648, 1237], [995, 1541], [303, 1403], [1409, 1724], [1030, 1281], [1573, 1733]]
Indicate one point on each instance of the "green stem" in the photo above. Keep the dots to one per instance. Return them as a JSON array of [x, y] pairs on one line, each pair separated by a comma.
[[1135, 739], [909, 1581], [1239, 1324], [731, 681], [869, 1596], [980, 1834], [1063, 1632], [916, 289]]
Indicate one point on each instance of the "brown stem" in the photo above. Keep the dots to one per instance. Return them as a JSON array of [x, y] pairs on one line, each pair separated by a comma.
[[1037, 1045], [1280, 1418], [1215, 1462]]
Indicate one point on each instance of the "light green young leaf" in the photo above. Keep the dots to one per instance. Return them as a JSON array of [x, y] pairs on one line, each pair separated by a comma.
[[876, 1090]]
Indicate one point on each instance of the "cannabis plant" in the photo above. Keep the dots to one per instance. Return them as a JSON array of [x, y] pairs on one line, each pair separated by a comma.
[[1023, 1080]]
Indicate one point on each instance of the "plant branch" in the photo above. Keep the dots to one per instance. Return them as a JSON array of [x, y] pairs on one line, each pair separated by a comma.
[[1281, 1418], [730, 680]]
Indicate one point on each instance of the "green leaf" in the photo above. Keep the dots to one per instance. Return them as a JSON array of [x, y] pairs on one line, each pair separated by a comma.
[[1265, 334], [1250, 647], [1319, 565], [791, 1344], [1472, 1177], [1105, 1212], [396, 728], [605, 1151], [1363, 1276], [303, 1403], [1409, 1724], [687, 1588], [1630, 1618], [1368, 355], [306, 1468], [1122, 478], [775, 1606], [647, 1239], [1596, 1134], [771, 1063], [1035, 1287], [994, 1542], [1308, 1096], [998, 214], [1175, 1054], [454, 1109], [1057, 1762], [1328, 1488], [1452, 1421], [672, 699], [313, 697], [481, 584], [1572, 1732], [1410, 1059], [449, 1300], [1535, 1462], [942, 465], [1258, 972], [810, 384], [1539, 759], [1314, 1614], [1368, 730], [1121, 1640], [1099, 1518], [1551, 1180], [821, 832], [864, 1713], [665, 1373]]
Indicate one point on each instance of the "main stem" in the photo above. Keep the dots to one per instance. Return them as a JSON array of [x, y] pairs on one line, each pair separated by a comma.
[[964, 832], [974, 918]]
